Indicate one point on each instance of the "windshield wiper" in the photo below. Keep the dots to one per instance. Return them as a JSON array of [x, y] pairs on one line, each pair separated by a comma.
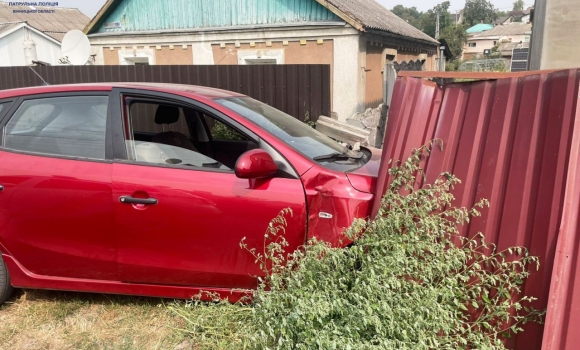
[[338, 156]]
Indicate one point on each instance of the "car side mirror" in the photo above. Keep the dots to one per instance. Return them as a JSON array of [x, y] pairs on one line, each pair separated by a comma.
[[255, 164]]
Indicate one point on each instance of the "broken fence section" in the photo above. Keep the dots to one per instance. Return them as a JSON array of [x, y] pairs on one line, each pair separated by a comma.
[[509, 138]]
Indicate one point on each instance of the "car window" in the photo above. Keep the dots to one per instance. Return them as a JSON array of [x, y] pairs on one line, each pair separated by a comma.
[[65, 126], [144, 119], [296, 134], [34, 114], [160, 134], [220, 131]]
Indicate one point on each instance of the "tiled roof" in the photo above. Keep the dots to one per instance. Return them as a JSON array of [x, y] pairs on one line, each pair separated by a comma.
[[516, 28], [6, 27], [372, 15]]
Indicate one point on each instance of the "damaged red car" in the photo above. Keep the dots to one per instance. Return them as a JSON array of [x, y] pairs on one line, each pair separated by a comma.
[[148, 189]]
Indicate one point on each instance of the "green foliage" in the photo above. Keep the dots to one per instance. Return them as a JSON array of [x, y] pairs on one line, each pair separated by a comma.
[[477, 11], [429, 19], [214, 325], [501, 14], [411, 281], [426, 21], [519, 5], [220, 131], [410, 14], [453, 65], [456, 37], [309, 121]]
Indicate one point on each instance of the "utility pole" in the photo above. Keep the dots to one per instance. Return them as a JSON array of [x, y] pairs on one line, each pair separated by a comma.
[[437, 27]]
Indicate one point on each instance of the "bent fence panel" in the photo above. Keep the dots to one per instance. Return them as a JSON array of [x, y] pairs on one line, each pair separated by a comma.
[[510, 140]]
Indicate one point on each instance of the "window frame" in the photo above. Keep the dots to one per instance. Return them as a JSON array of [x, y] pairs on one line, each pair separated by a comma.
[[138, 95], [4, 111], [7, 114]]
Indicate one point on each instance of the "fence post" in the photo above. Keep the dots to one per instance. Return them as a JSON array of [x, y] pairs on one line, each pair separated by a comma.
[[389, 77]]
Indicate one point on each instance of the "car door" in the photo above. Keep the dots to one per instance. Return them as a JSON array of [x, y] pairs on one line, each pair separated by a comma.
[[179, 214], [55, 186]]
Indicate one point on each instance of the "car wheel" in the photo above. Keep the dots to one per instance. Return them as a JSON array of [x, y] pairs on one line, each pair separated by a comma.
[[5, 287]]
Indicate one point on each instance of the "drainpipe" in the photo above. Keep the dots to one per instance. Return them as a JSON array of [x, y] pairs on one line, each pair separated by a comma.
[[442, 59]]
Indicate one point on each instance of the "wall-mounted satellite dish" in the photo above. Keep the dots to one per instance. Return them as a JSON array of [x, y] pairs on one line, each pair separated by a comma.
[[76, 47]]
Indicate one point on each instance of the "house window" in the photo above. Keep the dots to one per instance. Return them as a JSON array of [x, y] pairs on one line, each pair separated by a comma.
[[137, 61], [260, 61], [472, 44], [527, 39], [494, 43], [247, 57], [136, 57]]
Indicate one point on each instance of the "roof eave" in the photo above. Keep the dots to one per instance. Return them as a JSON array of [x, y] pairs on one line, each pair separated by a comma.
[[287, 26], [358, 25], [25, 24], [98, 16], [348, 19], [433, 43]]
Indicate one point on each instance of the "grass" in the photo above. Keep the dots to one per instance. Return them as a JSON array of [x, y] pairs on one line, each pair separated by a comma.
[[35, 319]]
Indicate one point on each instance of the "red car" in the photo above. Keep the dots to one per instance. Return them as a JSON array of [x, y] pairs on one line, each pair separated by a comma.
[[148, 189]]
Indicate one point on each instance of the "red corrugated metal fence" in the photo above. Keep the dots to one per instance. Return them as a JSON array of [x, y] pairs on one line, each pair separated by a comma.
[[509, 140]]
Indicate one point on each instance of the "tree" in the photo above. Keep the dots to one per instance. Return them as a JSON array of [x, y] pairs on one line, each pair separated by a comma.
[[477, 11], [456, 38], [409, 14], [519, 5], [426, 21], [502, 14], [429, 19]]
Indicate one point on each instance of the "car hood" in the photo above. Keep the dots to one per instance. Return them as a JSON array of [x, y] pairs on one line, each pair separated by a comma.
[[364, 179]]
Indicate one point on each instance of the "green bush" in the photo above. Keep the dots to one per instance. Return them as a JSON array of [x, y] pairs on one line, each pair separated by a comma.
[[411, 281]]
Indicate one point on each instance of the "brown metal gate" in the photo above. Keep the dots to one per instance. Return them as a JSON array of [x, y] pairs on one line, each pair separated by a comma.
[[295, 89]]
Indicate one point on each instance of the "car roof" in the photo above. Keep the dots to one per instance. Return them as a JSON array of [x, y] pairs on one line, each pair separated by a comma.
[[180, 89]]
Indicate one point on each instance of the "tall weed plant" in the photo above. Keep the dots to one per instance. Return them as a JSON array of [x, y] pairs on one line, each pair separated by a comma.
[[410, 280]]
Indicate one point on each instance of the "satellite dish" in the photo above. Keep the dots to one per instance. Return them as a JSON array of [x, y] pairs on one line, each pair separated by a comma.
[[75, 45]]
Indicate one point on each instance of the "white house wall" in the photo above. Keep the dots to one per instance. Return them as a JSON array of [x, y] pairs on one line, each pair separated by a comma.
[[12, 52], [347, 83]]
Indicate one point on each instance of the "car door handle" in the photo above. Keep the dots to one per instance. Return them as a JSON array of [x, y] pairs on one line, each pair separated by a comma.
[[144, 201], [1, 188]]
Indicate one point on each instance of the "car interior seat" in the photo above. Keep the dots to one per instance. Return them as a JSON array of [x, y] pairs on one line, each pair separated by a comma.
[[170, 115]]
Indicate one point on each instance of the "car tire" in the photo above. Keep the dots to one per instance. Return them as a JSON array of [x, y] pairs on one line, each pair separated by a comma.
[[5, 287]]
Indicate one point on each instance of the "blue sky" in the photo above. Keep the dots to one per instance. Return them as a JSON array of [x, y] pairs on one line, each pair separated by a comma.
[[90, 7]]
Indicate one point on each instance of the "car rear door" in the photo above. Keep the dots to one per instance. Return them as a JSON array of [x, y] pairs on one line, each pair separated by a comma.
[[55, 185], [179, 215]]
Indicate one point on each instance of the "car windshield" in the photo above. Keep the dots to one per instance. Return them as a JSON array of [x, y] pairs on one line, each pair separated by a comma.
[[296, 134]]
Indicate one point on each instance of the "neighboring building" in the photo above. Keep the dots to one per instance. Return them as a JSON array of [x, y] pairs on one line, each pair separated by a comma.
[[522, 16], [55, 24], [503, 20], [479, 28], [504, 37], [355, 38], [12, 39], [446, 55], [555, 35], [45, 28]]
